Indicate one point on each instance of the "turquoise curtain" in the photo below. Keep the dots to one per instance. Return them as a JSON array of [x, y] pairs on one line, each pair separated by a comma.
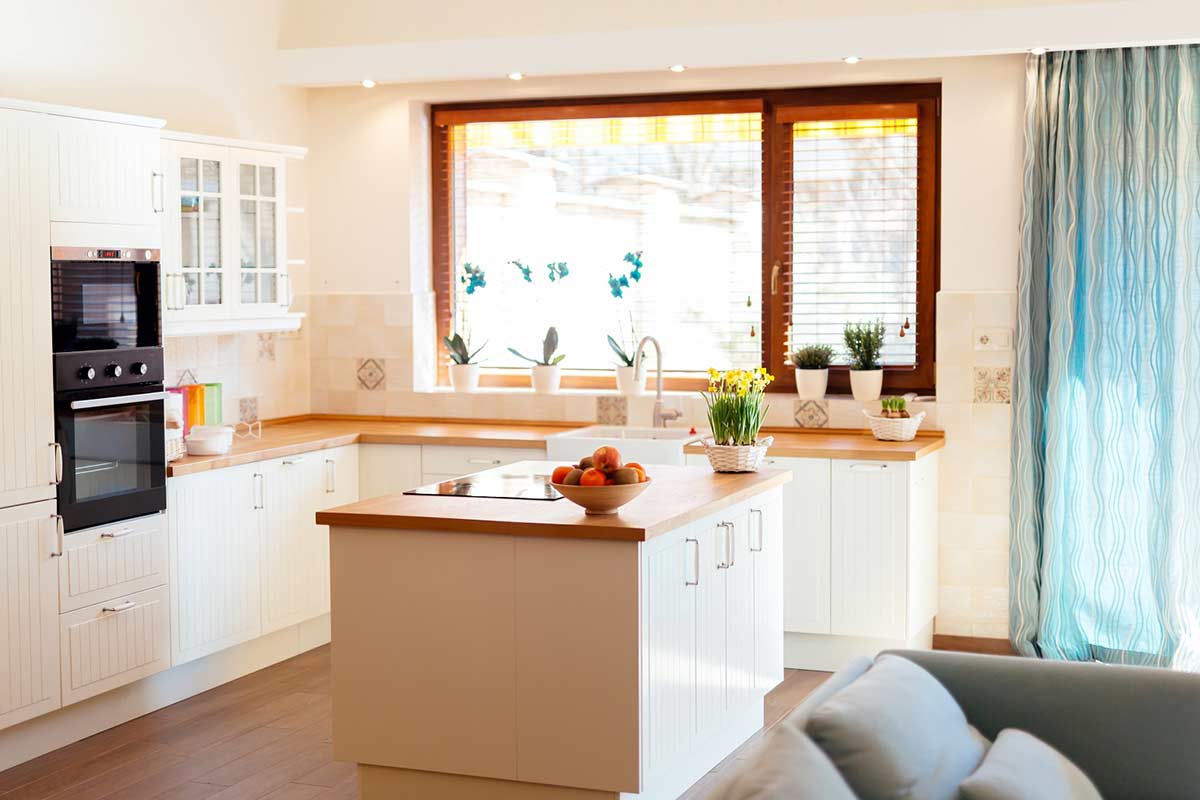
[[1105, 553]]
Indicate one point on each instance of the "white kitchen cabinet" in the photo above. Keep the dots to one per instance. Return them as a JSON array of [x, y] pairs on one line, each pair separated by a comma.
[[806, 513], [388, 468], [109, 560], [30, 461], [214, 524], [29, 669], [104, 172], [114, 643], [224, 233], [671, 570], [741, 623], [711, 629], [765, 538]]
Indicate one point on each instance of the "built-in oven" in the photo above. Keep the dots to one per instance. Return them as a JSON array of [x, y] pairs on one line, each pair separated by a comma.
[[108, 384]]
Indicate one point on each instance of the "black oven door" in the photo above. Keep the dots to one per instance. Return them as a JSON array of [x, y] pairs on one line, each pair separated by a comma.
[[114, 464]]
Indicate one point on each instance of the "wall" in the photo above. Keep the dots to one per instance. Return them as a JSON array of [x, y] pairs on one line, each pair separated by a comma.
[[202, 67], [368, 168]]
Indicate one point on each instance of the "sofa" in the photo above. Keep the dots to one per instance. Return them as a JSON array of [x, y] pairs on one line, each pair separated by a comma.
[[884, 727]]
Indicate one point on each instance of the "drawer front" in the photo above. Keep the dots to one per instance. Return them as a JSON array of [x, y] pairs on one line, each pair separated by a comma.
[[114, 643], [113, 560], [456, 461]]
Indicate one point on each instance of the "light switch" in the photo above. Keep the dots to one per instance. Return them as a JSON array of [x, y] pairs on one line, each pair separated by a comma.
[[993, 338]]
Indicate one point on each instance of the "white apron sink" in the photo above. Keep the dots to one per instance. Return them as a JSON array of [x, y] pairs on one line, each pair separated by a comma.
[[644, 445]]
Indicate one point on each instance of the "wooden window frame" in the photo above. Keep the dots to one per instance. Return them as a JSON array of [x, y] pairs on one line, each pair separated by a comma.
[[833, 102]]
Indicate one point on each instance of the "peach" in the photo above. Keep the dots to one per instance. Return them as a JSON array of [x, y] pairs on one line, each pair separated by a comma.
[[606, 458]]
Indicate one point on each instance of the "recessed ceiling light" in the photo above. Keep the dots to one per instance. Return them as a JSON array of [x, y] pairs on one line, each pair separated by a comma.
[[515, 76], [368, 83], [677, 68], [852, 59], [1037, 51]]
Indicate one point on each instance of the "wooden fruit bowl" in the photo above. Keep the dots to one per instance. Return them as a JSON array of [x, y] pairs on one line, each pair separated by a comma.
[[601, 499]]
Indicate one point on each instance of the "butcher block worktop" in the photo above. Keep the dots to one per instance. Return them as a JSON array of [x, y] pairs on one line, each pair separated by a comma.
[[675, 497], [840, 443]]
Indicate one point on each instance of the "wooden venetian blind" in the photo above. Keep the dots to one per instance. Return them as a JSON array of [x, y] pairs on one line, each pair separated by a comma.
[[852, 217], [586, 186]]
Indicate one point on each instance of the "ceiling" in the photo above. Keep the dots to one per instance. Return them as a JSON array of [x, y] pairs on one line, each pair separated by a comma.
[[329, 43]]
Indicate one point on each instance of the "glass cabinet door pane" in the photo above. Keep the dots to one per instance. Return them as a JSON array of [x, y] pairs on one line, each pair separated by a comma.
[[191, 283], [212, 232], [212, 288], [249, 288], [266, 181], [189, 179], [246, 179], [266, 230], [189, 213], [249, 233], [212, 176], [268, 287]]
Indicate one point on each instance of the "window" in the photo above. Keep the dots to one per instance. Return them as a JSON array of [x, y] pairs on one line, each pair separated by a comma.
[[730, 228]]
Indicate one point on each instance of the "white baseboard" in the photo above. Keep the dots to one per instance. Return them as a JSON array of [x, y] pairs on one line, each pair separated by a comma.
[[831, 653], [59, 728]]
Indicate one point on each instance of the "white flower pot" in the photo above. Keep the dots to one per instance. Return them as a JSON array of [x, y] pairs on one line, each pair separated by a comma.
[[866, 385], [546, 379], [464, 377], [629, 384], [811, 383]]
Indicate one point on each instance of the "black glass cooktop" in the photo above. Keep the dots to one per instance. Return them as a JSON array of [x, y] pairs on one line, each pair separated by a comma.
[[495, 484]]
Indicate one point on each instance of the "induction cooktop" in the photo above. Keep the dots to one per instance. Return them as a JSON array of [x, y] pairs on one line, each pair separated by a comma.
[[495, 484]]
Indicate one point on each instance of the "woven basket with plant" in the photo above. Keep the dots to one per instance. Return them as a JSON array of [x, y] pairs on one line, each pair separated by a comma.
[[736, 412]]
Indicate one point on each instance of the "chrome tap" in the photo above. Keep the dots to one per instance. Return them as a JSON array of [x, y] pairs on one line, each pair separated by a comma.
[[661, 415]]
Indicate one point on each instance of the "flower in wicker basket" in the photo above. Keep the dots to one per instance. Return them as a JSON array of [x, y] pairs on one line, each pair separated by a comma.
[[735, 415]]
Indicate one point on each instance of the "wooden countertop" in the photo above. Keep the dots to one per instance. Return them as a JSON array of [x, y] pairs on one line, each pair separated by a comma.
[[844, 444], [289, 438], [675, 497]]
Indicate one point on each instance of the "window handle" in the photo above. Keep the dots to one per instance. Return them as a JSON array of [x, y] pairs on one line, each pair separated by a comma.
[[775, 278]]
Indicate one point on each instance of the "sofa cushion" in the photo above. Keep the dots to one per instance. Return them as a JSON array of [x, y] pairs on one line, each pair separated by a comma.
[[897, 733], [1020, 766], [789, 766]]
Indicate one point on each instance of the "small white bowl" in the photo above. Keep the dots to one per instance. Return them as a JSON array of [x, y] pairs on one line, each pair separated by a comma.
[[209, 440]]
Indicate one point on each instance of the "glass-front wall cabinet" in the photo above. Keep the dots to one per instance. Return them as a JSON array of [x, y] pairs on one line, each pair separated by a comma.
[[224, 251]]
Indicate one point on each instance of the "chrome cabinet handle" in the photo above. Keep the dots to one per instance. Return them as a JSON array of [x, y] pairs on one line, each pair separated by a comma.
[[118, 608], [291, 462], [494, 462], [156, 183], [330, 476], [60, 530], [868, 467], [726, 545], [118, 534], [729, 542], [695, 562], [757, 514], [169, 293], [58, 463], [259, 500]]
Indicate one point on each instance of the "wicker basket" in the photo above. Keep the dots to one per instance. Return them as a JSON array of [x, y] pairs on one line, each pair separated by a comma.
[[175, 448], [737, 458], [889, 429]]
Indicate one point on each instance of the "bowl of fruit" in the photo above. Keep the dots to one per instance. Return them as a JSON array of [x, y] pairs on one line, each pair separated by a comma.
[[601, 483]]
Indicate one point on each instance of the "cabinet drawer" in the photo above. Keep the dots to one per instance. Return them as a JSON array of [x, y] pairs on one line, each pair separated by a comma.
[[458, 461], [114, 643], [111, 560]]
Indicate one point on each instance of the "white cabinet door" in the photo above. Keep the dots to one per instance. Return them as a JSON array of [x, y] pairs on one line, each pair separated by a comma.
[[295, 573], [388, 469], [261, 283], [805, 544], [340, 476], [869, 549], [214, 524], [711, 629], [29, 681], [104, 172], [740, 620], [27, 452], [765, 539]]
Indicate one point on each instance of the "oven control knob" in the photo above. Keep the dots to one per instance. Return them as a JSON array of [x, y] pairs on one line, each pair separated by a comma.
[[113, 370], [87, 373], [139, 368]]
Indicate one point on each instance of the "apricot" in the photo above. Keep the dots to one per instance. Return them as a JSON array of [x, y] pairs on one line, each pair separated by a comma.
[[560, 474], [606, 458], [592, 477]]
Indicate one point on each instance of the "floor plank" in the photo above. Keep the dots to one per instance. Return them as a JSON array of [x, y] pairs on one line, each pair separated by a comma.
[[265, 736]]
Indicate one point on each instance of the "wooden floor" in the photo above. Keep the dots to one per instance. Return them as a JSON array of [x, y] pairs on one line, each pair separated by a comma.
[[266, 736]]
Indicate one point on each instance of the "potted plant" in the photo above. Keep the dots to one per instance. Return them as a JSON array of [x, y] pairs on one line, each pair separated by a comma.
[[864, 341], [735, 415], [464, 369], [628, 383], [546, 372], [812, 370], [894, 423]]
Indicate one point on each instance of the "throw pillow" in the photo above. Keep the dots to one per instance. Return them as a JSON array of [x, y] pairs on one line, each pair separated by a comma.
[[1020, 766], [789, 766]]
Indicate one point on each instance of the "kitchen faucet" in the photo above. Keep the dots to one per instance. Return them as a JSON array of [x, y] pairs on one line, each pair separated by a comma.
[[661, 415]]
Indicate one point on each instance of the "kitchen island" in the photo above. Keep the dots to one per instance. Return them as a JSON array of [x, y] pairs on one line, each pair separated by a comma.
[[503, 648]]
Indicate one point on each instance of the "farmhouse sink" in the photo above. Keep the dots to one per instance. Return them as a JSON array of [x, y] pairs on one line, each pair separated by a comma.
[[644, 445]]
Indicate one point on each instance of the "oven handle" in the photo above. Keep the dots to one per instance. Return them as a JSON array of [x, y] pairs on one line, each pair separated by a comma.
[[105, 402]]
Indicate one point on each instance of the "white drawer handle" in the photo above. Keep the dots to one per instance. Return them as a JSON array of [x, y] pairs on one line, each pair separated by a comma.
[[116, 534], [60, 531], [695, 562], [757, 515], [118, 608], [495, 462], [291, 462], [330, 476], [868, 467], [58, 462]]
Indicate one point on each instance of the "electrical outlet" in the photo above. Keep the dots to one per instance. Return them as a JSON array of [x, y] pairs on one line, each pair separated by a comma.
[[993, 338]]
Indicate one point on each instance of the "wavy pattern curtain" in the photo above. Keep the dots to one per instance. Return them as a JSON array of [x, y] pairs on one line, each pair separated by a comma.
[[1106, 428]]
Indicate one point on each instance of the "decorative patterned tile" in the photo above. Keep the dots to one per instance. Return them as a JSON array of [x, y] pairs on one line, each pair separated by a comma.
[[612, 410], [993, 385], [371, 374], [266, 347], [811, 413], [247, 409]]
